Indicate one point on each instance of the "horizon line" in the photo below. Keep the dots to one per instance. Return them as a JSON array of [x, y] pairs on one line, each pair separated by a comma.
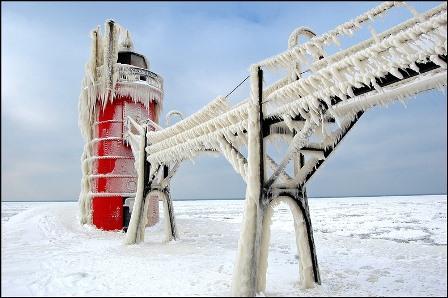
[[242, 198]]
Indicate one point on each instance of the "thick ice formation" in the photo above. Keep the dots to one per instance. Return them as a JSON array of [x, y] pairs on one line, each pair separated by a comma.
[[362, 67], [244, 275], [235, 158], [195, 133], [389, 94], [211, 110], [302, 105], [104, 80], [420, 39], [171, 114], [315, 44], [137, 223], [306, 279]]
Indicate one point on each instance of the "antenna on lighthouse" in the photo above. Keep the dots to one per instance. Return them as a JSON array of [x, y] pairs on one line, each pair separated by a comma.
[[127, 43]]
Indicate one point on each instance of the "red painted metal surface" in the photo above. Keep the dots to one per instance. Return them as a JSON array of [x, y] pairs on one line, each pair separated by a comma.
[[113, 170], [108, 213]]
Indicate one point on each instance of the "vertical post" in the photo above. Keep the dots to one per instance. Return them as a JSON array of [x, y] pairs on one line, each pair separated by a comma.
[[262, 193], [246, 265], [146, 168], [136, 229], [145, 190], [260, 130]]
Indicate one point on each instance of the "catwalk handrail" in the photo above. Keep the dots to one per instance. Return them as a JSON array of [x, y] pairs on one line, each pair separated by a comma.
[[368, 62], [401, 62]]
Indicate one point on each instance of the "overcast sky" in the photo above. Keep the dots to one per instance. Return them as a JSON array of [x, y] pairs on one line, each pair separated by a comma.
[[202, 50]]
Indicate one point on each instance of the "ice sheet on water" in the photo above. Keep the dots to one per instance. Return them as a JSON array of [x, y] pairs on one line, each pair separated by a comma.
[[46, 252]]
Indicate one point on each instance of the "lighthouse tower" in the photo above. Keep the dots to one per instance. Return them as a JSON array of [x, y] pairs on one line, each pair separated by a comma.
[[118, 84]]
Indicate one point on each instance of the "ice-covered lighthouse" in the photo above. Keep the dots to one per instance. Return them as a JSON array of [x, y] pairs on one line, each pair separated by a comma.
[[117, 84]]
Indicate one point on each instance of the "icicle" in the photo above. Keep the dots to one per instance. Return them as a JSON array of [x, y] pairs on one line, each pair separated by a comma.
[[396, 73], [374, 34], [324, 131], [414, 67], [436, 59], [335, 40], [337, 119], [363, 102], [402, 102], [375, 85]]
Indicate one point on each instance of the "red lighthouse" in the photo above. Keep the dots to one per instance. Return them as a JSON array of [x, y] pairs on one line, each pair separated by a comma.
[[122, 86]]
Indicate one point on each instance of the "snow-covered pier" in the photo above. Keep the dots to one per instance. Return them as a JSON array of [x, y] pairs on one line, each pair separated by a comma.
[[311, 112]]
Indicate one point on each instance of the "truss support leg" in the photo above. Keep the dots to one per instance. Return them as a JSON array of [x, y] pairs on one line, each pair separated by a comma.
[[302, 202], [245, 274], [249, 275], [172, 232], [163, 190], [308, 268]]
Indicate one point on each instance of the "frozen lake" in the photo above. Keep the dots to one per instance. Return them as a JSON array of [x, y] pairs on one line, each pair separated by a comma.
[[379, 246]]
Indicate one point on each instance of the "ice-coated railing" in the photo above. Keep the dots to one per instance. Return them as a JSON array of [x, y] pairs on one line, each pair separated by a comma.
[[393, 65], [129, 73], [419, 40]]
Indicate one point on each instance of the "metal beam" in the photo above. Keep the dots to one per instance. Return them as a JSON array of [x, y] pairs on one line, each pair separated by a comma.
[[389, 78], [277, 119], [328, 151], [170, 174], [386, 80]]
